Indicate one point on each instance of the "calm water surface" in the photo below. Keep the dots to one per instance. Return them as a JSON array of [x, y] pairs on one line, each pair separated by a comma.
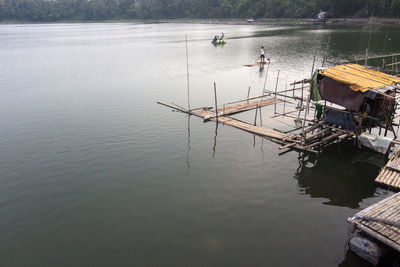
[[94, 173]]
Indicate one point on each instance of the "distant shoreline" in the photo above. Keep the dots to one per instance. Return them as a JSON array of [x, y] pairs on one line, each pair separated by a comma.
[[394, 22], [332, 21]]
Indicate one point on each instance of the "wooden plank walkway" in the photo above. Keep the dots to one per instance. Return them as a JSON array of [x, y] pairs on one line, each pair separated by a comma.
[[233, 109], [390, 174], [324, 135], [381, 221], [244, 125], [287, 140]]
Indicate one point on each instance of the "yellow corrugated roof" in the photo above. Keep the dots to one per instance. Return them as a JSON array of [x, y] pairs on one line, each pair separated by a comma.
[[360, 78]]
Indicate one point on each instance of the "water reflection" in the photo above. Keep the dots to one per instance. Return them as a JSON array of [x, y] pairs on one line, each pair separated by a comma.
[[188, 146], [215, 139], [261, 70], [341, 173]]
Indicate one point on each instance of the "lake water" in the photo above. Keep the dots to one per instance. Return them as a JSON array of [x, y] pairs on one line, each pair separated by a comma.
[[94, 173]]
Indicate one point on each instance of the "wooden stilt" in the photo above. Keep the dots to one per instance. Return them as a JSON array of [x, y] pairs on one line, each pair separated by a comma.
[[284, 101], [187, 72], [216, 105], [276, 88], [312, 69], [255, 117], [326, 52]]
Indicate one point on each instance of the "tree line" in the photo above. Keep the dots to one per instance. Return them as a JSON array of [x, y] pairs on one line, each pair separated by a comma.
[[96, 10]]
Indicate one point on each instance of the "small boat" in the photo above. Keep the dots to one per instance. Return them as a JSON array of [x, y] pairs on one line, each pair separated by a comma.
[[257, 63], [267, 61], [219, 41]]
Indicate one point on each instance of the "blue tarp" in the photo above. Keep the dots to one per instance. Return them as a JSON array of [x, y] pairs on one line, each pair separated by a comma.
[[339, 118]]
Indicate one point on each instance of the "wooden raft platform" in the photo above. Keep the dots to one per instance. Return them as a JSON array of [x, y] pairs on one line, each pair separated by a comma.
[[243, 125], [287, 140], [381, 221], [390, 174], [234, 109]]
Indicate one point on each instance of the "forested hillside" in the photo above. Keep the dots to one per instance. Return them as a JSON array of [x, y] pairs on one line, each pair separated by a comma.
[[53, 10]]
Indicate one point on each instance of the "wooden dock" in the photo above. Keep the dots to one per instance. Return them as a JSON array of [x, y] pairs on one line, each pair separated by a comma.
[[286, 140], [390, 174], [311, 139], [237, 108], [381, 221]]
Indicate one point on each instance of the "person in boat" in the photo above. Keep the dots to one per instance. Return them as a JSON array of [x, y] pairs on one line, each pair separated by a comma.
[[215, 39], [262, 56], [222, 36]]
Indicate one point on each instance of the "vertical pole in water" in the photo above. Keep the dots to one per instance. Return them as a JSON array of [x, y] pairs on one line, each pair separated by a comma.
[[294, 87], [263, 92], [326, 52], [312, 69], [248, 95], [187, 72], [284, 102], [255, 117], [383, 65], [392, 65], [276, 88], [305, 113], [265, 81], [301, 100], [369, 42], [260, 117], [215, 98]]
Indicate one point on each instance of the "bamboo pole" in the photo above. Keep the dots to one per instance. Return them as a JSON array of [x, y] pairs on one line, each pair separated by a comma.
[[392, 63], [248, 95], [383, 65], [276, 88], [187, 72], [263, 91], [312, 69], [326, 52], [284, 101], [265, 81], [371, 58], [215, 98], [304, 122], [369, 42], [293, 89], [255, 117], [260, 117]]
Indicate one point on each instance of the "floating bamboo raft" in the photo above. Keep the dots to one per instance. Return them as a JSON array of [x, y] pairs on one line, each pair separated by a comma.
[[310, 139], [381, 221], [208, 114], [322, 134], [221, 115], [390, 174]]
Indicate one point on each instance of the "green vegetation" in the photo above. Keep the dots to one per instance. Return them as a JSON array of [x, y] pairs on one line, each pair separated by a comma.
[[56, 10]]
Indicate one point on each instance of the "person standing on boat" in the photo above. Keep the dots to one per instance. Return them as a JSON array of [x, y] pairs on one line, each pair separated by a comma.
[[262, 56], [222, 36]]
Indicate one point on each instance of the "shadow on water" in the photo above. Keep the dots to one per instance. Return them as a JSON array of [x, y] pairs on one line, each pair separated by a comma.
[[215, 139], [340, 173]]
